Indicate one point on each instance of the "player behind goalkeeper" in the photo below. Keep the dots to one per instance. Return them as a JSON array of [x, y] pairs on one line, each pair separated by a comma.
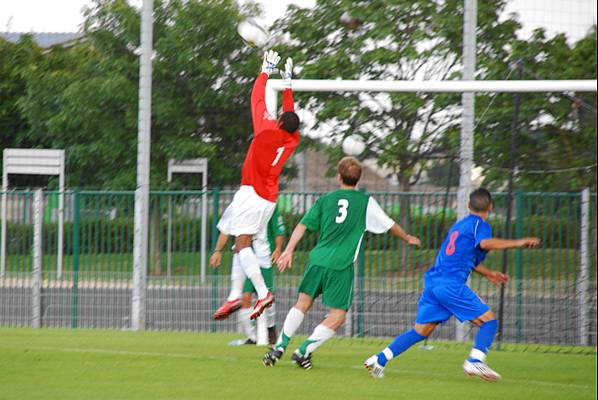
[[341, 219], [446, 292], [266, 251], [253, 204]]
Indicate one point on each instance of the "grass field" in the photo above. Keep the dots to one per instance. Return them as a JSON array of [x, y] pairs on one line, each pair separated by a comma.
[[102, 364]]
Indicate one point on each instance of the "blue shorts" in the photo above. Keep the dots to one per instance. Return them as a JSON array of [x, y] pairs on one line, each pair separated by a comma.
[[439, 302]]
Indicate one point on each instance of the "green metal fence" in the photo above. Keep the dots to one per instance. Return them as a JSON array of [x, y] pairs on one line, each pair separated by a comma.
[[92, 287]]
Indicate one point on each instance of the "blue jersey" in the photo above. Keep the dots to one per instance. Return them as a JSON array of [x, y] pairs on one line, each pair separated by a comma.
[[460, 252]]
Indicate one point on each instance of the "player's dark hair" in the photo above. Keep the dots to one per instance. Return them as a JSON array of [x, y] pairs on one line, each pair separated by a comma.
[[289, 121], [480, 200], [349, 169]]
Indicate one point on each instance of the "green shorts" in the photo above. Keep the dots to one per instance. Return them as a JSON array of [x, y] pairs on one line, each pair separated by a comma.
[[268, 279], [335, 286]]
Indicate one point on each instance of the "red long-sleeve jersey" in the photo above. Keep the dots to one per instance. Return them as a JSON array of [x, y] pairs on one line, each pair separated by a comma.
[[270, 147]]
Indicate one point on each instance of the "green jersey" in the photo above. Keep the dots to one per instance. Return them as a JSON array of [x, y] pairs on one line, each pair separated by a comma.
[[275, 228], [341, 218]]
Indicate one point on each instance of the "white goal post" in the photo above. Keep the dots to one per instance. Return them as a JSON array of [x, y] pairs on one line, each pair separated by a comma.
[[465, 86], [328, 85]]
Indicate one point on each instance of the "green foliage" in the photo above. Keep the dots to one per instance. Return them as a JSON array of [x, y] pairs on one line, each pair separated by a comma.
[[15, 59], [397, 40], [407, 40], [444, 173], [555, 131], [84, 98], [116, 235]]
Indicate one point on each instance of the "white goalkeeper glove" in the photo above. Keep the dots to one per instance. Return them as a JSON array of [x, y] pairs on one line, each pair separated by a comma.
[[271, 58], [287, 74]]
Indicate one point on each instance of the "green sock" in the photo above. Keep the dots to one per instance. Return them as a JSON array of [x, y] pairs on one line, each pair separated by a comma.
[[282, 342], [320, 334]]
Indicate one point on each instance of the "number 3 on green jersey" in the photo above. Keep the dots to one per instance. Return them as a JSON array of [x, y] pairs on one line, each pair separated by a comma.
[[343, 204], [341, 218]]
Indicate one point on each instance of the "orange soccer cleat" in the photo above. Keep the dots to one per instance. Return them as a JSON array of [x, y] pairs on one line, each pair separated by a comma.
[[227, 309], [261, 305]]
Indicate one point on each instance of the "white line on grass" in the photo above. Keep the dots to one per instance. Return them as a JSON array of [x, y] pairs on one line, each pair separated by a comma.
[[199, 357]]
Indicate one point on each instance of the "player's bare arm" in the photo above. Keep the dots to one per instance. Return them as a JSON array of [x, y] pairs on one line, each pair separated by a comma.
[[502, 244], [286, 258], [399, 232], [497, 278], [278, 242], [216, 257]]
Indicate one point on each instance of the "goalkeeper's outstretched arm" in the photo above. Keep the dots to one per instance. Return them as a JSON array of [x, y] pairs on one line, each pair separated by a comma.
[[259, 112], [287, 95]]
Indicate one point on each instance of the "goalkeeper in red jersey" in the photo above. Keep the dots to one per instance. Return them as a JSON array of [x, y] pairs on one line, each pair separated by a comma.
[[273, 142]]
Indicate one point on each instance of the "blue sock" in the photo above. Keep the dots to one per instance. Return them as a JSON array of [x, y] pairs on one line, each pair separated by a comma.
[[483, 340], [399, 345]]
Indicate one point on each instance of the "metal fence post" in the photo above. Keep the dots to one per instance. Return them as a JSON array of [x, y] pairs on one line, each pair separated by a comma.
[[583, 277], [169, 238], [204, 226], [470, 11], [4, 221], [76, 239], [38, 219], [215, 212], [518, 263]]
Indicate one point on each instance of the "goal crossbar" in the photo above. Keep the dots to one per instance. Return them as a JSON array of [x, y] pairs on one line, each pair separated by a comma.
[[329, 85]]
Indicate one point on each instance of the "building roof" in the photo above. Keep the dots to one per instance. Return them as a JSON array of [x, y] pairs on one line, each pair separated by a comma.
[[44, 39]]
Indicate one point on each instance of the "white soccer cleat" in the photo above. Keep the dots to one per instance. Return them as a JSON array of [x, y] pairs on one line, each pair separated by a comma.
[[480, 369], [376, 370]]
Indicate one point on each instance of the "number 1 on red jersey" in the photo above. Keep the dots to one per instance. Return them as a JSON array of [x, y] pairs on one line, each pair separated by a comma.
[[279, 152]]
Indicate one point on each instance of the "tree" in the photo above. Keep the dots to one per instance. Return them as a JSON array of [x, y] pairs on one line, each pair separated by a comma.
[[556, 137], [413, 40], [84, 98], [14, 59], [395, 41]]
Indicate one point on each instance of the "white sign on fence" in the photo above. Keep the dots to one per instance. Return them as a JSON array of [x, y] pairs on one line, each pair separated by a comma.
[[33, 162]]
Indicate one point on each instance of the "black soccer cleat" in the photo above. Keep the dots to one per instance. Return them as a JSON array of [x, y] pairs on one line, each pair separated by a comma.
[[271, 357], [301, 361]]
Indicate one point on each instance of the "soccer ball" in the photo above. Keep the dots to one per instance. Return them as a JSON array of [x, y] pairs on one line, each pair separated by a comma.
[[252, 33], [353, 145]]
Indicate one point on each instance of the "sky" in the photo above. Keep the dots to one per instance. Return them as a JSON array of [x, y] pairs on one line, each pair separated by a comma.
[[571, 16], [66, 16]]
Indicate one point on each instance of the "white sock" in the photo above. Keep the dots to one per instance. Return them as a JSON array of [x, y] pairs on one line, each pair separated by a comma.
[[320, 334], [237, 279], [252, 270], [291, 323], [270, 315], [246, 325], [478, 355]]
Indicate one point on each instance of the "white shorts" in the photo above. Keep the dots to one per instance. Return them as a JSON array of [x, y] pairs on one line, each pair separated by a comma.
[[248, 214], [261, 248]]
